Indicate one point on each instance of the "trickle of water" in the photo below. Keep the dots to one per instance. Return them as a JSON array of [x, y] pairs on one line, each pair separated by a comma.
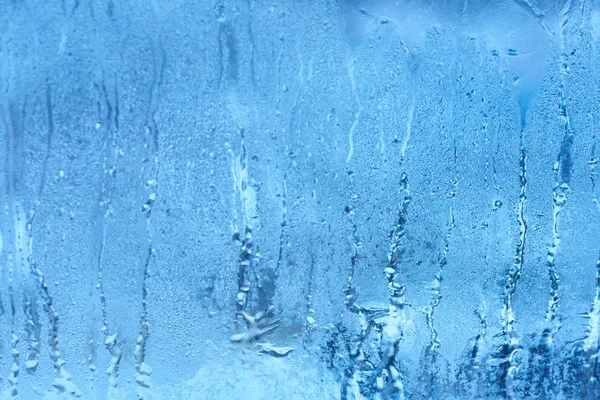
[[335, 200]]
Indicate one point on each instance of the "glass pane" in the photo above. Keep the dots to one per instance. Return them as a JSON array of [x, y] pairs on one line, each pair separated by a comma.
[[321, 199]]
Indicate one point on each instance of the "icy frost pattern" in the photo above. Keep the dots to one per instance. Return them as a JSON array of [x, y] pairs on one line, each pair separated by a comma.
[[299, 199]]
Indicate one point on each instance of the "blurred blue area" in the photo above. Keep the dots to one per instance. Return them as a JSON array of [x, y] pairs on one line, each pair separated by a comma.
[[322, 199]]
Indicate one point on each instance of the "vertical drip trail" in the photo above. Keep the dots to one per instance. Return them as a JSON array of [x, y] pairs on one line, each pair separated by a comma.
[[394, 321], [350, 382], [431, 376], [511, 344], [248, 258], [591, 342], [240, 186], [351, 292], [409, 120], [149, 184], [284, 227], [309, 324], [543, 363], [33, 330], [21, 258], [266, 297], [469, 372], [240, 297], [244, 195], [351, 64], [495, 205], [283, 222], [430, 352], [396, 316], [560, 192], [260, 322], [62, 382], [13, 377], [10, 123], [473, 371], [392, 332], [103, 213], [252, 42], [397, 234], [32, 323], [384, 376], [310, 321], [439, 275]]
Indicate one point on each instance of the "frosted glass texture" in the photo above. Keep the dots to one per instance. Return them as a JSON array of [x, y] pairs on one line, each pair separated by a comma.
[[293, 199]]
